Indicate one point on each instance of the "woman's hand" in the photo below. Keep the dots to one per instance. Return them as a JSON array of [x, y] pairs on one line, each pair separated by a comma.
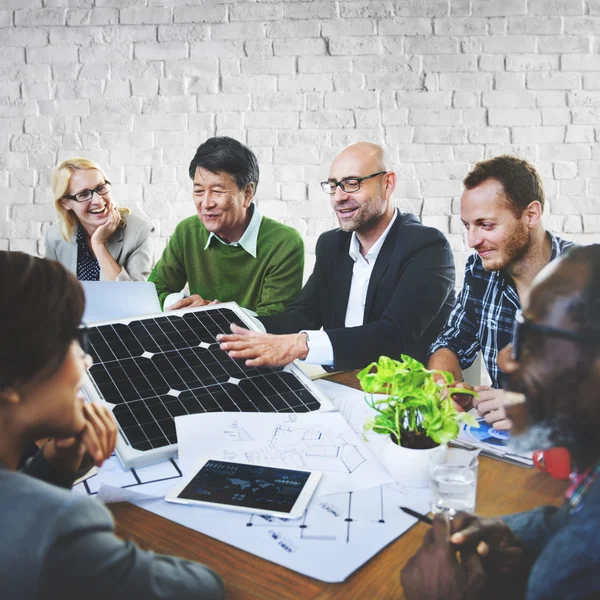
[[98, 439], [103, 233]]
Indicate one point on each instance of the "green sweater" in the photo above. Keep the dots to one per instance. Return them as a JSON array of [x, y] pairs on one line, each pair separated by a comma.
[[265, 284]]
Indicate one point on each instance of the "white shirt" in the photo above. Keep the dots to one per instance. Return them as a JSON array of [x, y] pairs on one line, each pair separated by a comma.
[[249, 239], [320, 348]]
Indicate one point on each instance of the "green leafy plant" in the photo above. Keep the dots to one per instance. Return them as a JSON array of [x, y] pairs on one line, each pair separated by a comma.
[[417, 412]]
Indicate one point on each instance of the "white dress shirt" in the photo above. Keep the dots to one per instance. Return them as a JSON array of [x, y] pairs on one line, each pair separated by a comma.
[[320, 349], [249, 239]]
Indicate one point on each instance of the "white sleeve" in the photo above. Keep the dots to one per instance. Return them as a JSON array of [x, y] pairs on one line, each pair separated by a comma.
[[172, 298], [320, 350]]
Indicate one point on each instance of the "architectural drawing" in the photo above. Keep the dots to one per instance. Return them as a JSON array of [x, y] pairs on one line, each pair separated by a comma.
[[354, 514], [312, 448], [335, 536], [144, 480], [237, 433]]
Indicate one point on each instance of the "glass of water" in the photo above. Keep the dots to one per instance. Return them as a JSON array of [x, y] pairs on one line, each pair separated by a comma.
[[453, 481]]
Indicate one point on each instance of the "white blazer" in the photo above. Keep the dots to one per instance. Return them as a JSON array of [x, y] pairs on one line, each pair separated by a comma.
[[130, 246]]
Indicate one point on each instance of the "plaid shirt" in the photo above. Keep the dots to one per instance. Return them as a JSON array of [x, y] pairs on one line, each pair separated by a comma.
[[484, 314]]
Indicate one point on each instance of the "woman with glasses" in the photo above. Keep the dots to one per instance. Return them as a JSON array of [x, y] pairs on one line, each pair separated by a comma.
[[95, 238], [56, 543]]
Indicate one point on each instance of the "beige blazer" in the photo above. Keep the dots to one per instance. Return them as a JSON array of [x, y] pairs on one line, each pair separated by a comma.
[[130, 246]]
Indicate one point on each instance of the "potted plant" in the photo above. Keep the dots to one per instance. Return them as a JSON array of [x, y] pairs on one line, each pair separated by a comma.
[[416, 414]]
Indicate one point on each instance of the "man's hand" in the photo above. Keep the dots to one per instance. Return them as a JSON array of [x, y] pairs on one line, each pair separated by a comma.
[[263, 349], [435, 573], [490, 406], [98, 438], [505, 563], [193, 300], [462, 402], [103, 233]]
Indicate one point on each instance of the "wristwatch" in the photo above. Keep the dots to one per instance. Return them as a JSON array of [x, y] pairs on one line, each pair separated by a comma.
[[307, 343]]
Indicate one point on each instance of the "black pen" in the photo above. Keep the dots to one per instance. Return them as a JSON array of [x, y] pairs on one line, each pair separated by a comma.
[[416, 515]]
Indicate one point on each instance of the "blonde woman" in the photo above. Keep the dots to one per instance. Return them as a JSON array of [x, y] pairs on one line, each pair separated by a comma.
[[94, 238]]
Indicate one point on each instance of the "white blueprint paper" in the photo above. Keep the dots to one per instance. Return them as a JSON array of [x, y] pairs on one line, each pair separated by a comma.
[[350, 402], [338, 532], [310, 441], [113, 483], [336, 535]]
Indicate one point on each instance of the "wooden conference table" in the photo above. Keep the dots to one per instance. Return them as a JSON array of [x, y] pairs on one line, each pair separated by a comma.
[[502, 488]]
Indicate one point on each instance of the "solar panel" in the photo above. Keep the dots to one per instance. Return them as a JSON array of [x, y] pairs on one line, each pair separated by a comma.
[[158, 367]]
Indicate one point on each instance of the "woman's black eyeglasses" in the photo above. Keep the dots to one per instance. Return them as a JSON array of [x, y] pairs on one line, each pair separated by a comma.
[[87, 195], [523, 325]]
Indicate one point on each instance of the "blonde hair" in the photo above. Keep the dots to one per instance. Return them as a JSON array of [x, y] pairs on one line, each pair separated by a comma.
[[61, 176]]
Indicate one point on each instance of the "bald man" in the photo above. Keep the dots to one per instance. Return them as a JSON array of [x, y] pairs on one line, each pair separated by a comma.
[[383, 284]]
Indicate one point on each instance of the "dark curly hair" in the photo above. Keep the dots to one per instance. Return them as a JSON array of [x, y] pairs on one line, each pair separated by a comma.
[[521, 182], [41, 306]]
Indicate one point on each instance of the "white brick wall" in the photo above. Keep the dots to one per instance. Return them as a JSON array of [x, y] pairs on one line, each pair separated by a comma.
[[138, 84]]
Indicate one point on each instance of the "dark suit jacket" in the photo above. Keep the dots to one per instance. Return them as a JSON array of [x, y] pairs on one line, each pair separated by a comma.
[[410, 294]]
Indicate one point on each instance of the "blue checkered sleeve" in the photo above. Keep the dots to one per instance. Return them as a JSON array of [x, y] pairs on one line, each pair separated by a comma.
[[459, 334]]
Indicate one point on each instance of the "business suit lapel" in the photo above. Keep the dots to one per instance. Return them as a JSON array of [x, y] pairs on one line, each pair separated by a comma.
[[68, 256], [381, 265], [115, 243], [342, 278]]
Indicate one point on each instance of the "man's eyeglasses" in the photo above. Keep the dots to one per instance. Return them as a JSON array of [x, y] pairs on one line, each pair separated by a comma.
[[87, 195], [523, 325], [348, 184]]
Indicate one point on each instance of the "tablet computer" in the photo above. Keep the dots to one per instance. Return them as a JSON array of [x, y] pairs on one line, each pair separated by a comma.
[[242, 487]]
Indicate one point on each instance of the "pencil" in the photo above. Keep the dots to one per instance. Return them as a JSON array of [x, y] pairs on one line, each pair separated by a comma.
[[416, 515]]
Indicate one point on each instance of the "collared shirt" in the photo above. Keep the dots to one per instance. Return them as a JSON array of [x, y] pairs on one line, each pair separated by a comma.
[[484, 314], [248, 242], [320, 349], [88, 268], [249, 238]]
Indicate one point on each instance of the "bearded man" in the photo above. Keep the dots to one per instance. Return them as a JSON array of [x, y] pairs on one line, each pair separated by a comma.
[[552, 372], [501, 209]]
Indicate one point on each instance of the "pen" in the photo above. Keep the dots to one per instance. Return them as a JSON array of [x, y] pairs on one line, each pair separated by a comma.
[[416, 515]]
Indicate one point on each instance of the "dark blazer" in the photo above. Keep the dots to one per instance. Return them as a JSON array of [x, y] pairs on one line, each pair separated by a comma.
[[59, 544], [410, 294]]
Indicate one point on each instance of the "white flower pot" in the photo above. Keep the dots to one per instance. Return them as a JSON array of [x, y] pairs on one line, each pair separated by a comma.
[[408, 466]]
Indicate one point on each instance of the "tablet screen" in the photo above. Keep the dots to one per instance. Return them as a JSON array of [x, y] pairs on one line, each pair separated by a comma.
[[249, 486]]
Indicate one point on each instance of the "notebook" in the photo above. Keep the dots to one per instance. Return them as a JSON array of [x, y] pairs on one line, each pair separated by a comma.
[[492, 442]]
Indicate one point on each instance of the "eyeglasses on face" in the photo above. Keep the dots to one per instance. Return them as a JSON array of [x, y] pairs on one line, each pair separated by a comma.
[[83, 338], [524, 326], [348, 184], [87, 195]]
